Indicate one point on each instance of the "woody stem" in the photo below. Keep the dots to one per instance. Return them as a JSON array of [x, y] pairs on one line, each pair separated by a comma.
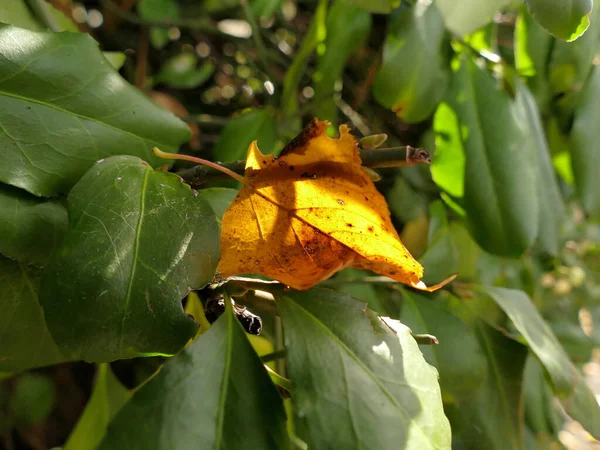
[[382, 157]]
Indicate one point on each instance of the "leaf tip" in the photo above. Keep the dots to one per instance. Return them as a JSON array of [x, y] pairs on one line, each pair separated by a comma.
[[423, 287]]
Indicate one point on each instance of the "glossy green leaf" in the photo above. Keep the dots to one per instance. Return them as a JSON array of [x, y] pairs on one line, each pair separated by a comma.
[[462, 17], [215, 394], [30, 228], [57, 119], [532, 48], [458, 357], [107, 399], [359, 382], [158, 10], [116, 59], [541, 413], [238, 134], [413, 91], [219, 199], [567, 383], [570, 65], [448, 164], [567, 20], [441, 257], [347, 28], [32, 399], [502, 208], [316, 34], [180, 72], [585, 158], [491, 418], [138, 240], [552, 208], [25, 342]]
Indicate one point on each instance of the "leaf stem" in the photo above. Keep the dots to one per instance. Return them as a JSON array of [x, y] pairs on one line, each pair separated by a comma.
[[280, 381], [273, 356], [257, 38], [204, 162], [382, 157]]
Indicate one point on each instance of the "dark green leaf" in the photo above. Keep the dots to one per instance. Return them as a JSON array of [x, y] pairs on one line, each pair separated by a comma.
[[138, 240], [585, 158], [32, 399], [458, 356], [567, 20], [532, 48], [219, 199], [492, 418], [108, 397], [158, 10], [377, 6], [238, 134], [541, 412], [30, 228], [465, 16], [347, 28], [24, 338], [567, 383], [415, 34], [265, 8], [180, 72], [552, 208], [358, 383], [502, 208], [215, 394], [58, 118]]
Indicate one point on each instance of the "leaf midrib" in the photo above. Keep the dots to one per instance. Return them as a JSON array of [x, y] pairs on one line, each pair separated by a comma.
[[136, 249]]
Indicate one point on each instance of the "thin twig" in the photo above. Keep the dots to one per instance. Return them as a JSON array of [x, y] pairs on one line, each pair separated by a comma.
[[382, 157], [42, 11], [257, 38], [200, 24]]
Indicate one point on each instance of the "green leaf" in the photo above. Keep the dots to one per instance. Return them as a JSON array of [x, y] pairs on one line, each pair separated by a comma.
[[502, 209], [265, 8], [585, 159], [458, 356], [64, 107], [238, 134], [576, 397], [25, 342], [17, 13], [377, 6], [158, 10], [180, 72], [358, 383], [108, 397], [448, 164], [491, 418], [30, 228], [314, 36], [138, 240], [541, 412], [533, 47], [347, 28], [219, 199], [462, 17], [32, 399], [413, 91], [441, 257], [567, 20], [215, 394], [552, 208], [116, 59]]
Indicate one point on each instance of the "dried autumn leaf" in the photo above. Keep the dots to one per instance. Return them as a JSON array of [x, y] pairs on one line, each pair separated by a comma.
[[312, 211]]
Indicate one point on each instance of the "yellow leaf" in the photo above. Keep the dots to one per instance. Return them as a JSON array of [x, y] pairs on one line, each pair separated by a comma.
[[311, 212]]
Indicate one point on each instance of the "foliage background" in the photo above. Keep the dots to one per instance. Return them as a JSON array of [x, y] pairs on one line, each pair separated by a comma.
[[92, 267]]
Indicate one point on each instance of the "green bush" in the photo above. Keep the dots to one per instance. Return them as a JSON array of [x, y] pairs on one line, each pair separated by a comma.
[[108, 258]]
